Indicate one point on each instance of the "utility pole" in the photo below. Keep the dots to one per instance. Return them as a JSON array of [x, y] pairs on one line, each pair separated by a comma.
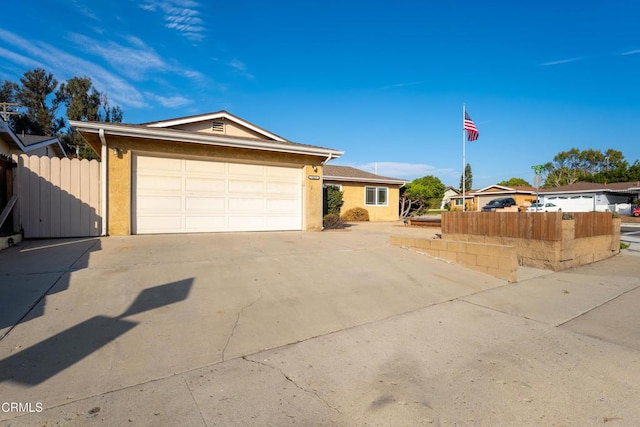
[[5, 112]]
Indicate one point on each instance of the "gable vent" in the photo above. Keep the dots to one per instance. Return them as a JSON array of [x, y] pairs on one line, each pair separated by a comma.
[[217, 126]]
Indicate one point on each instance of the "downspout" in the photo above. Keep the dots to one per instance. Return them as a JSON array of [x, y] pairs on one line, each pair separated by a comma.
[[103, 171], [328, 158]]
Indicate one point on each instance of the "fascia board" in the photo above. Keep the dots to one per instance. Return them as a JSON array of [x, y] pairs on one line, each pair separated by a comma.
[[368, 180], [177, 122], [159, 133]]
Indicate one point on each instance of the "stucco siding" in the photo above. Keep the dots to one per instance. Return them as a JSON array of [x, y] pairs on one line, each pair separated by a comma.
[[230, 129], [354, 196]]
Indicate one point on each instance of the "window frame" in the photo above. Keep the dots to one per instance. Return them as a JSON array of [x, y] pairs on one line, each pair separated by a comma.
[[377, 195]]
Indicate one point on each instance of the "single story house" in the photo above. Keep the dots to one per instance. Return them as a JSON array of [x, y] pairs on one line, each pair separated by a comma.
[[379, 195], [476, 199], [34, 145], [212, 172], [590, 196], [449, 192]]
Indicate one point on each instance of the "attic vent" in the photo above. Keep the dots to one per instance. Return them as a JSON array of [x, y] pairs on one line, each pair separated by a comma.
[[217, 126]]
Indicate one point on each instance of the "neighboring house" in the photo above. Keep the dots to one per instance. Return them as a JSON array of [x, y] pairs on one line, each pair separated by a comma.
[[11, 143], [379, 195], [476, 199], [205, 173], [449, 192], [589, 196]]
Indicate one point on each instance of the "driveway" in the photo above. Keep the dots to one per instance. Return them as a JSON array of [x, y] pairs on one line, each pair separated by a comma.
[[304, 328]]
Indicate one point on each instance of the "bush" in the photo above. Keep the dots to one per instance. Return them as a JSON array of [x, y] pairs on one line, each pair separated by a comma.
[[332, 222], [356, 214], [333, 200]]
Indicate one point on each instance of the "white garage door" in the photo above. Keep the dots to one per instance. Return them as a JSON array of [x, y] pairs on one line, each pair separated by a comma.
[[190, 196]]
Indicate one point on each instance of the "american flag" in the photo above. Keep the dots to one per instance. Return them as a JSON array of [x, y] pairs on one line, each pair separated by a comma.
[[470, 127]]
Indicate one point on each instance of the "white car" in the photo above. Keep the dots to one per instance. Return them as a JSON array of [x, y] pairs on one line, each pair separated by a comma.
[[543, 207]]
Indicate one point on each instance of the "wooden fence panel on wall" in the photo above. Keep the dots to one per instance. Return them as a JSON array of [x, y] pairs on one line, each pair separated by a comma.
[[59, 197], [536, 226], [589, 224]]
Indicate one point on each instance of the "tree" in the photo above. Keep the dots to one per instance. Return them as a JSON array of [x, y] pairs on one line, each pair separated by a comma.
[[84, 102], [421, 193], [515, 182], [588, 165], [467, 177], [38, 106]]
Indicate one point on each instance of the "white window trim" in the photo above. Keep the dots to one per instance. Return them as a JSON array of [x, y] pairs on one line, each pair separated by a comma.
[[377, 189], [458, 202]]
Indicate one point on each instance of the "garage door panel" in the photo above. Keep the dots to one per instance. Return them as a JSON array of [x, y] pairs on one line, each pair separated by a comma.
[[204, 204], [158, 182], [158, 164], [205, 223], [283, 188], [206, 185], [174, 195], [240, 205], [243, 169], [159, 203], [247, 187], [281, 205], [205, 166]]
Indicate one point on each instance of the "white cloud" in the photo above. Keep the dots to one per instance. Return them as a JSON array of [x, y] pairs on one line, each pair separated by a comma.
[[180, 15], [404, 170], [562, 61], [398, 85], [170, 101], [631, 52], [240, 68], [64, 65]]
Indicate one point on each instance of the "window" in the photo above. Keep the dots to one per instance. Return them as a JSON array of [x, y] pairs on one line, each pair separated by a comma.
[[375, 196], [336, 186], [458, 202]]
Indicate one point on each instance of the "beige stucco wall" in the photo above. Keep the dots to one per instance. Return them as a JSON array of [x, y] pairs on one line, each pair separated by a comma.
[[353, 196], [4, 148], [119, 214]]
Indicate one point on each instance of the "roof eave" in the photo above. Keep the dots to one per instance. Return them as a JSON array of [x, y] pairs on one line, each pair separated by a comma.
[[369, 180], [160, 133]]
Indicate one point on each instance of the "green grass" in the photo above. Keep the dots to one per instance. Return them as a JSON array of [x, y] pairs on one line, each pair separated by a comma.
[[624, 245]]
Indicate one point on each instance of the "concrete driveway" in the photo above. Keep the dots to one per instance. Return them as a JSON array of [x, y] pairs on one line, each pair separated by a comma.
[[305, 328]]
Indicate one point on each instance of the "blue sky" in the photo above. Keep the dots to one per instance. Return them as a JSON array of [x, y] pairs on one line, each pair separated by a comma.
[[383, 81]]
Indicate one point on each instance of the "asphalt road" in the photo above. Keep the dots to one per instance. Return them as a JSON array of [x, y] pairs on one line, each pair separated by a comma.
[[630, 233]]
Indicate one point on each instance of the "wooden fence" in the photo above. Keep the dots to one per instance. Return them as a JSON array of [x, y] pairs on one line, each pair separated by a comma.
[[58, 197], [523, 225], [589, 224]]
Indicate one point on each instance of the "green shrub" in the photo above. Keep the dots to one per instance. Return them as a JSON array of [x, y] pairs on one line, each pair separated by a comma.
[[332, 221], [567, 215], [333, 200], [356, 214]]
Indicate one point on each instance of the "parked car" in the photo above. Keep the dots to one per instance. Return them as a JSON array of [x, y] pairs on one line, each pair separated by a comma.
[[544, 207], [494, 204], [636, 211]]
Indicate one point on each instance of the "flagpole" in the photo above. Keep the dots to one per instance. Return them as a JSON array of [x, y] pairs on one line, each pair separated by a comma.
[[464, 178]]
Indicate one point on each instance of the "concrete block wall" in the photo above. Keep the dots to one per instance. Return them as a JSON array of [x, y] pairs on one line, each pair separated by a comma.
[[558, 255], [497, 260]]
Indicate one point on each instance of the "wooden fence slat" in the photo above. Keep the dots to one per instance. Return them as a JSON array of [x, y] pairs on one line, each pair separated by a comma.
[[55, 197], [65, 197], [45, 197], [58, 197]]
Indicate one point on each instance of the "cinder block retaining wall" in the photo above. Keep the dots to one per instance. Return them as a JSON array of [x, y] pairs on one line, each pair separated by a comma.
[[568, 252], [498, 260]]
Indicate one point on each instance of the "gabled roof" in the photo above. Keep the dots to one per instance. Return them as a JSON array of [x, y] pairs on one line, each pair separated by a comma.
[[499, 189], [349, 174], [160, 132], [591, 187], [29, 143], [215, 116]]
